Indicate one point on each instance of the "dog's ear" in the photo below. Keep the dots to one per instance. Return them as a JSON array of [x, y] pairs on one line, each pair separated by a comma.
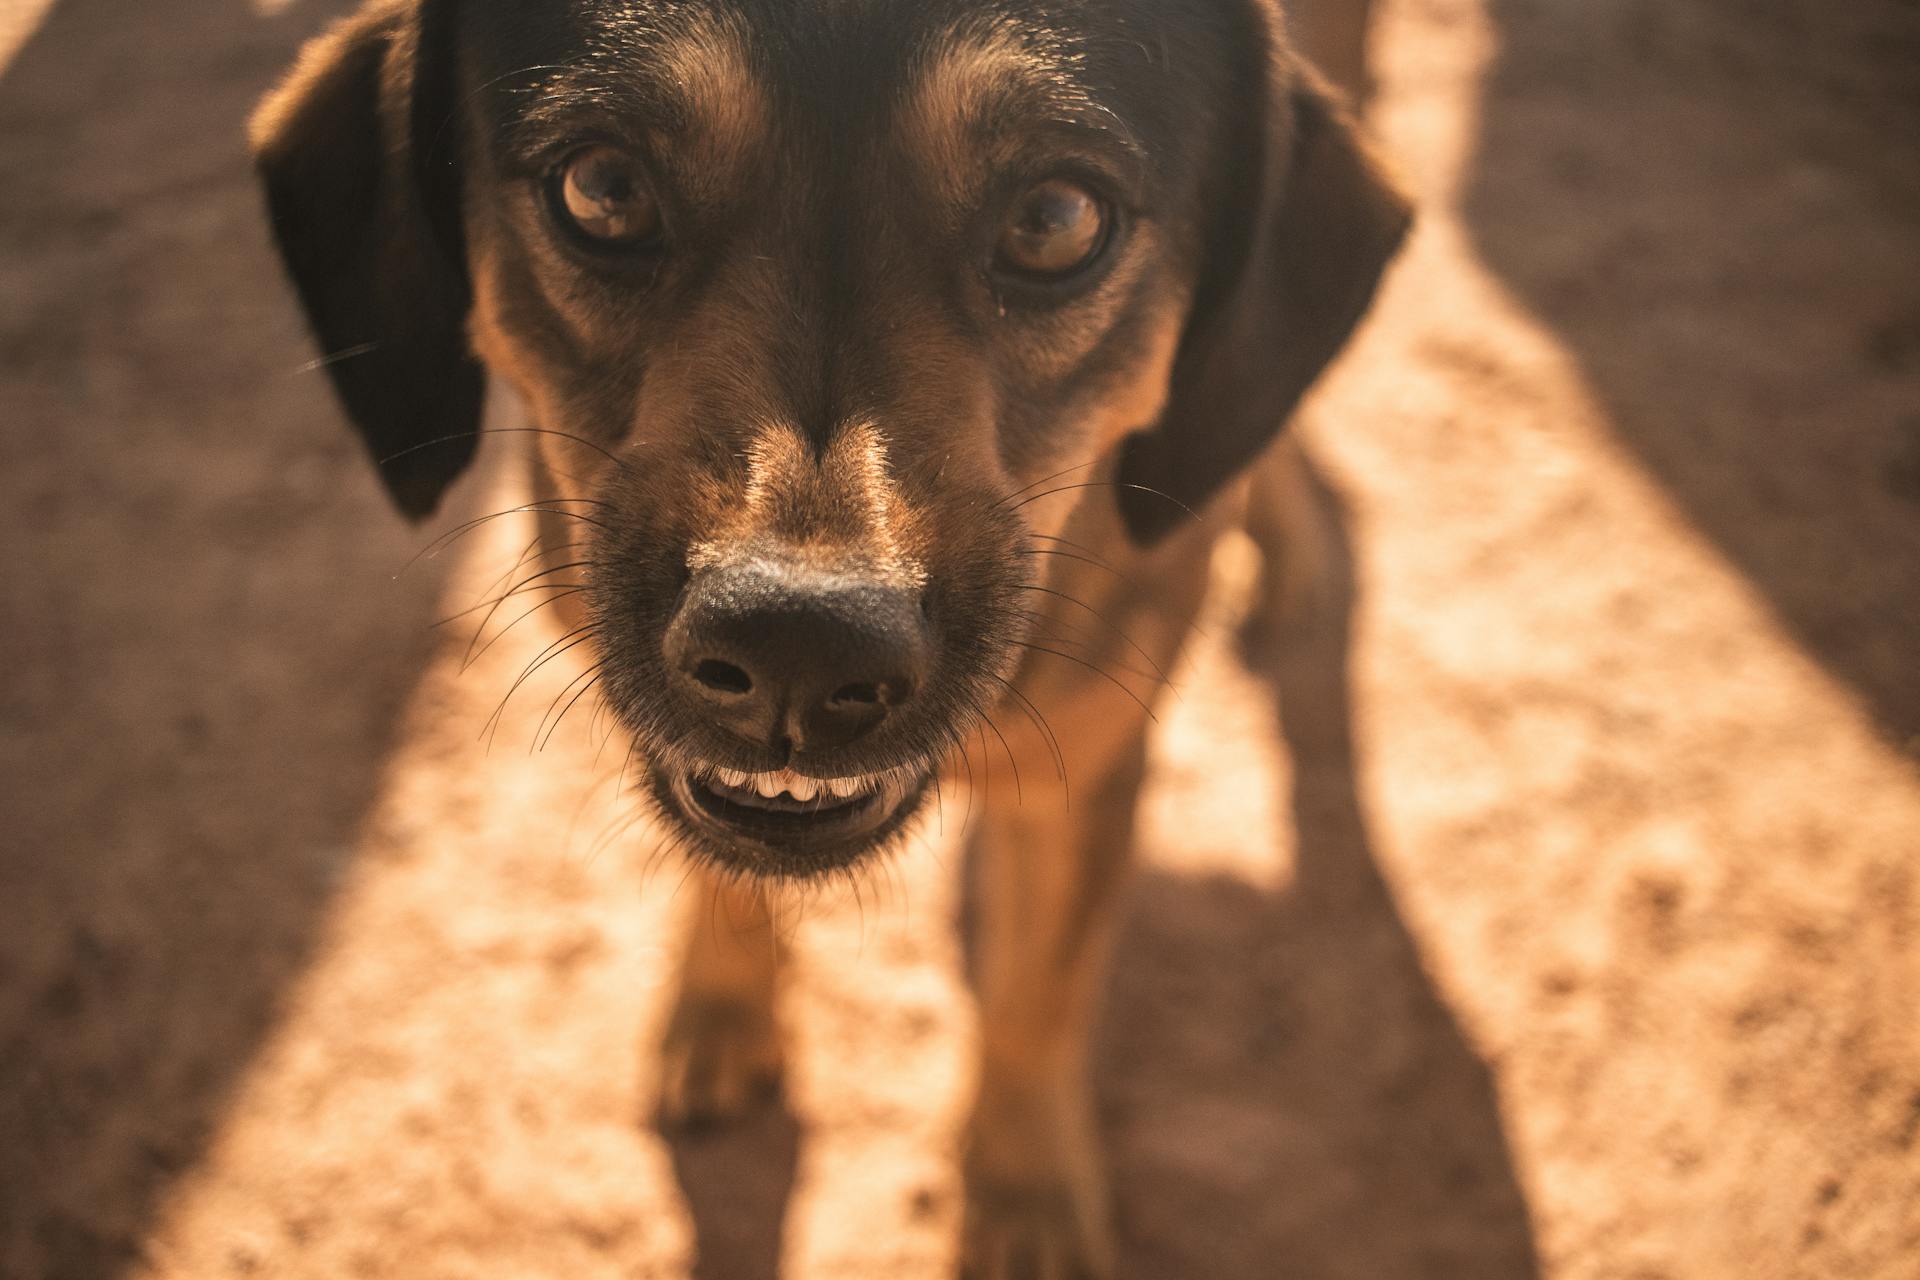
[[1305, 226], [360, 158]]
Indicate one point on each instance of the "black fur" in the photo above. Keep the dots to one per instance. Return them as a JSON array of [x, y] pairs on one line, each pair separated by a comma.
[[362, 181], [1298, 244]]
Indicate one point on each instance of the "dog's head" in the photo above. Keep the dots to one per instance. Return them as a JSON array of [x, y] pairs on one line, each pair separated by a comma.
[[807, 298]]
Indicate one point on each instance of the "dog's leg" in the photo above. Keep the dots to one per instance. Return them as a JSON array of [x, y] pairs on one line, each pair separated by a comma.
[[1283, 518], [721, 1051], [1036, 1187], [1051, 875], [1285, 521]]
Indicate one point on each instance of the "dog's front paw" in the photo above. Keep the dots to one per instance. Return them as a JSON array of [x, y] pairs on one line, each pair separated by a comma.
[[1036, 1206], [719, 1058], [1035, 1231]]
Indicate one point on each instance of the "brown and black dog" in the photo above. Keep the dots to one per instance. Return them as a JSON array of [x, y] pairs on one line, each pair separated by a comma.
[[811, 303]]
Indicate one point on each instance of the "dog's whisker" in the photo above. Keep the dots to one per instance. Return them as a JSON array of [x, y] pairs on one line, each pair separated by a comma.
[[1064, 471], [341, 356], [1093, 554], [495, 603], [550, 601], [1107, 484], [1111, 626], [586, 799], [501, 581], [533, 578], [441, 543], [1123, 579], [1012, 764], [579, 635], [1032, 712], [1055, 629], [592, 676], [966, 762], [939, 803], [518, 588], [1043, 629], [622, 823], [986, 762], [533, 544], [561, 590], [1098, 670], [499, 431]]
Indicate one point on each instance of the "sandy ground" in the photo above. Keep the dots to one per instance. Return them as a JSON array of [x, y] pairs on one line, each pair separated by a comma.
[[1551, 910]]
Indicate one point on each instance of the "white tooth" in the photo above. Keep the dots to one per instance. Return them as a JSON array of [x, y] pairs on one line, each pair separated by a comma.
[[732, 777], [768, 784], [801, 788], [846, 787]]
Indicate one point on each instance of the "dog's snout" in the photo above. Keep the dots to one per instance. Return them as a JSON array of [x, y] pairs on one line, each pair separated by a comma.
[[779, 654]]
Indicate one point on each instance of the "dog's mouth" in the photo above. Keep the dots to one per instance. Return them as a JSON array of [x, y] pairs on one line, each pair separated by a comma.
[[786, 823]]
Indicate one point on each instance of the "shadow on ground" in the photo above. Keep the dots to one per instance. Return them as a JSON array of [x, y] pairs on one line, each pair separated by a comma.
[[1330, 1120], [737, 1180], [1758, 181], [204, 655]]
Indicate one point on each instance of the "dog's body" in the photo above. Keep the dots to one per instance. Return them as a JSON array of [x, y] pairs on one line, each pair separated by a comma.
[[886, 363]]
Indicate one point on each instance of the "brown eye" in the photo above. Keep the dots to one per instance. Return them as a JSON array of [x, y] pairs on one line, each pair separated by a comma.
[[604, 194], [1057, 228]]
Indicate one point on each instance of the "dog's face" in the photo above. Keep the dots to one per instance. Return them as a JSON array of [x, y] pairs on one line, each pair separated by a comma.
[[808, 300]]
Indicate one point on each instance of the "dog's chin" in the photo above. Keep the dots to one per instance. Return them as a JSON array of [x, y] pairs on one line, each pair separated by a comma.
[[785, 825]]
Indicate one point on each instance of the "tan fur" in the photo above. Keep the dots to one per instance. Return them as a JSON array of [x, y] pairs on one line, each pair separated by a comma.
[[978, 66], [710, 65], [1138, 400], [721, 1046], [842, 506]]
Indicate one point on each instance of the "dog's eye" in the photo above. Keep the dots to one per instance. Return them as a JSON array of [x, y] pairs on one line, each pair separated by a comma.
[[603, 193], [1057, 228]]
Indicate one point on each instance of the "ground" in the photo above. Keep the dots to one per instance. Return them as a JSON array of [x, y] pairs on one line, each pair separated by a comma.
[[1549, 909]]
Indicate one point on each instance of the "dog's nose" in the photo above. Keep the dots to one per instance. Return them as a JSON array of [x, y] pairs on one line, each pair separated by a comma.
[[777, 652]]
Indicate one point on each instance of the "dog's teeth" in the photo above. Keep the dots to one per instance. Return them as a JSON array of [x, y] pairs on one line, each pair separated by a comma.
[[794, 785]]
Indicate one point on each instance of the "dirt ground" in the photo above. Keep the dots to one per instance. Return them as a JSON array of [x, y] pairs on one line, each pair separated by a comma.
[[1551, 910]]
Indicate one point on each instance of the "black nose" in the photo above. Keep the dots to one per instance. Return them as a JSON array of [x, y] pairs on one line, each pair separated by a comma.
[[780, 654]]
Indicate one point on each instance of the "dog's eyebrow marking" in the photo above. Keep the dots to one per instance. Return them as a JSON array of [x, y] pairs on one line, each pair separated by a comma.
[[979, 79], [709, 69], [688, 79]]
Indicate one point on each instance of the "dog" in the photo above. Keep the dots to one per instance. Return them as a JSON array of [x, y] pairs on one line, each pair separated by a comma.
[[868, 349]]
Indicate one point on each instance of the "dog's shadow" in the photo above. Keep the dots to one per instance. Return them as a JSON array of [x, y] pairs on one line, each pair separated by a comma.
[[1284, 1091], [737, 1180]]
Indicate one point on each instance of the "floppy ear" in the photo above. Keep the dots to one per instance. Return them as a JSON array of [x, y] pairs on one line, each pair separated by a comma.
[[1288, 269], [360, 157]]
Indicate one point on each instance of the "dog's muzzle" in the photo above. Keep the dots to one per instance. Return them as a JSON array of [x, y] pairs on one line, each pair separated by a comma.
[[798, 678]]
